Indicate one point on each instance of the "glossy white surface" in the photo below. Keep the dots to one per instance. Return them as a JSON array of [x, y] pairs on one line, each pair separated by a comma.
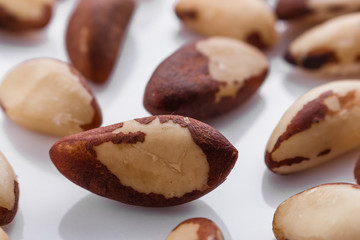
[[51, 207]]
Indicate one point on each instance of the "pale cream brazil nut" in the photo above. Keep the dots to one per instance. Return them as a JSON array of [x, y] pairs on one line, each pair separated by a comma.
[[25, 14], [196, 229], [9, 192], [248, 20], [49, 96], [154, 161], [3, 235], [331, 48], [325, 212], [321, 125]]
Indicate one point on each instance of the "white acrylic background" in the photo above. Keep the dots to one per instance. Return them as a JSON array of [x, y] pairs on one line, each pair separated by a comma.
[[51, 207]]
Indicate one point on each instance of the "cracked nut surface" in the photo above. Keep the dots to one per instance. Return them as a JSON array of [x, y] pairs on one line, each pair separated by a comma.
[[256, 25], [321, 125], [314, 10], [153, 161], [49, 96], [25, 14], [331, 48], [325, 212], [94, 35], [196, 229], [9, 192], [206, 78]]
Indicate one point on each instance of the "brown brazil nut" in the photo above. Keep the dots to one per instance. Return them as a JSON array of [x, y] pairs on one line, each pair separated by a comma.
[[94, 35], [196, 229], [331, 48], [328, 211], [49, 96], [154, 161], [206, 78], [9, 192], [321, 125], [314, 10], [256, 25], [19, 15]]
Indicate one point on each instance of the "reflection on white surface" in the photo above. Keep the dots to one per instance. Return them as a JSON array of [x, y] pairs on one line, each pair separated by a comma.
[[95, 218]]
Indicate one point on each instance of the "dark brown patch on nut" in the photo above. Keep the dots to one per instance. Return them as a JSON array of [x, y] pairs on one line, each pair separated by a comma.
[[336, 8], [6, 215], [207, 228], [146, 120], [285, 162], [256, 40], [357, 171], [292, 9], [317, 58], [357, 58], [190, 14], [325, 152], [290, 58], [13, 23]]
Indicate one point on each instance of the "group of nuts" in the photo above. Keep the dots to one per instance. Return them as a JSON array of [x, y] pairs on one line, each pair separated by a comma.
[[171, 158]]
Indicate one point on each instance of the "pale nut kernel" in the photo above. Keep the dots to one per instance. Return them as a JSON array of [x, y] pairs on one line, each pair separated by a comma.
[[331, 48], [321, 125], [256, 24], [325, 212], [19, 15], [49, 96], [314, 11], [9, 192], [196, 229], [206, 78], [94, 35], [154, 161], [3, 235]]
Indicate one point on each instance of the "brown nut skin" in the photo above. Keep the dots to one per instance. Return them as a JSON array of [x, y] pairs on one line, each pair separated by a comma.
[[256, 25], [313, 10], [19, 19], [203, 79], [94, 35], [196, 229], [357, 171], [9, 192], [328, 211], [330, 48], [157, 163], [322, 124]]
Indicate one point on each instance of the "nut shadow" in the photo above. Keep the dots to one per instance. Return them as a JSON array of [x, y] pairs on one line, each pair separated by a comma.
[[277, 188], [94, 218]]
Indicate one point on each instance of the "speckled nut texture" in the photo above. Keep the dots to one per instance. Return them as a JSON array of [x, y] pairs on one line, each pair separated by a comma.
[[206, 78], [314, 10], [332, 48], [94, 35], [9, 192], [19, 15], [321, 125], [3, 235], [248, 20], [326, 212], [49, 96], [155, 161], [196, 229]]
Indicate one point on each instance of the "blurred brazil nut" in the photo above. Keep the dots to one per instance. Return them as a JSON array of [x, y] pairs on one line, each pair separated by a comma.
[[9, 193], [94, 35], [321, 125], [49, 96], [18, 15], [247, 20], [196, 229], [154, 161], [314, 10], [328, 211], [331, 48], [206, 78]]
